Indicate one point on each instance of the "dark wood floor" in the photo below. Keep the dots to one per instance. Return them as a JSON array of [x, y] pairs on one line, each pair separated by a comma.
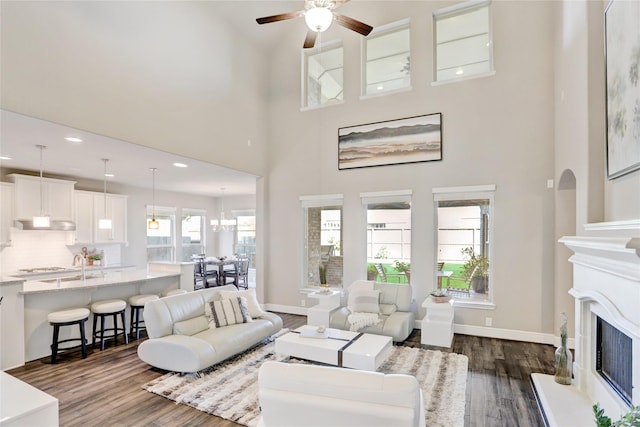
[[105, 388]]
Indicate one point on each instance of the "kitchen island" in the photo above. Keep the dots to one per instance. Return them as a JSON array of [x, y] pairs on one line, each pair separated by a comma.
[[33, 300]]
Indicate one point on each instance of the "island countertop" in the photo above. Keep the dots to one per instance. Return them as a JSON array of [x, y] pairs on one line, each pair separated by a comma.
[[92, 280]]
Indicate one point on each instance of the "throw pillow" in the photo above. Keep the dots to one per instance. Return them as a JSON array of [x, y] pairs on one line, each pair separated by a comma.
[[363, 301], [252, 301], [388, 309], [229, 312]]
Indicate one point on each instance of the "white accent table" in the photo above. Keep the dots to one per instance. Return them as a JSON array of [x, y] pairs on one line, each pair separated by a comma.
[[24, 405], [319, 314], [437, 325], [342, 348]]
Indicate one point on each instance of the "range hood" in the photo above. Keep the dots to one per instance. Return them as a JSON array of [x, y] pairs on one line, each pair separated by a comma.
[[54, 225]]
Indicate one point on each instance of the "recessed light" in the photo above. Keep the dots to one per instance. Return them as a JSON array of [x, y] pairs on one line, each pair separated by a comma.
[[109, 175], [460, 71], [380, 87], [73, 139], [180, 165], [5, 158]]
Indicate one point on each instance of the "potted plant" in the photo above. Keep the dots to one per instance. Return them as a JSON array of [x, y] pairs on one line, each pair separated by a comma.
[[95, 259], [404, 268], [476, 270], [372, 273]]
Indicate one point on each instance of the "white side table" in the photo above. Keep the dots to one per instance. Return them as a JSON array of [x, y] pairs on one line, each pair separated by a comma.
[[437, 325], [327, 302]]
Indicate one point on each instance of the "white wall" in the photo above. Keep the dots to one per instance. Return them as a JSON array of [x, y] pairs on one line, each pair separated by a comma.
[[497, 130], [168, 75], [173, 76]]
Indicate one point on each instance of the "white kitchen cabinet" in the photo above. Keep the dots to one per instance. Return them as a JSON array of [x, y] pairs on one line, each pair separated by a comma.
[[89, 209], [56, 198], [6, 213], [116, 212]]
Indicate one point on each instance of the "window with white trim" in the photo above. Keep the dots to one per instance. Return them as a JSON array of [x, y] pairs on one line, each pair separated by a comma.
[[193, 234], [323, 75], [388, 235], [387, 59], [464, 220], [322, 240], [246, 237], [463, 41], [161, 244]]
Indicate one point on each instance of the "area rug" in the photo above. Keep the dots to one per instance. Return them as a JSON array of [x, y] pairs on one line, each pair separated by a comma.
[[230, 390]]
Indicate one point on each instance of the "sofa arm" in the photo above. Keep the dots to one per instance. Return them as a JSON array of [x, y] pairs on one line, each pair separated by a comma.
[[178, 353]]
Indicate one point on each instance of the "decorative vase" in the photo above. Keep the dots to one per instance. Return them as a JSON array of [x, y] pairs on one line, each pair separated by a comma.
[[563, 357]]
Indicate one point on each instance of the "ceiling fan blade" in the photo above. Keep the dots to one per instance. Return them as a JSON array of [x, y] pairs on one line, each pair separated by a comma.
[[352, 24], [310, 40], [280, 17]]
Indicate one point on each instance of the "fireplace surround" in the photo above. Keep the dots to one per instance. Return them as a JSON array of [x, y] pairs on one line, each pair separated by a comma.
[[606, 286]]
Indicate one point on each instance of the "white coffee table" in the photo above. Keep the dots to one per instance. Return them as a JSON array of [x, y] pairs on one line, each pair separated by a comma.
[[341, 348]]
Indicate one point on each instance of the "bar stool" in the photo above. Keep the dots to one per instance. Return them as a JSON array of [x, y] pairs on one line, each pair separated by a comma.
[[74, 316], [102, 309], [174, 292], [137, 302]]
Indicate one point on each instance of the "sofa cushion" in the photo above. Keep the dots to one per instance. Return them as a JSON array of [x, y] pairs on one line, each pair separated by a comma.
[[228, 312], [363, 301], [252, 301], [388, 309], [191, 326]]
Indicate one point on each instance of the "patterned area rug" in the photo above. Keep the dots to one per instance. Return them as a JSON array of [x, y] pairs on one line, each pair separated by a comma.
[[230, 390]]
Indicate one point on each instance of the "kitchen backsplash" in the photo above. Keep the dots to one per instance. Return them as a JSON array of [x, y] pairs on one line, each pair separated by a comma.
[[31, 249]]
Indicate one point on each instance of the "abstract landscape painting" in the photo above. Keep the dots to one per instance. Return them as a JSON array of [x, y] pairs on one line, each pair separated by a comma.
[[622, 43], [410, 140]]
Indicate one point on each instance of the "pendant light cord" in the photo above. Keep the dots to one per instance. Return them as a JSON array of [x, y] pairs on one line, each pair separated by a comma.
[[41, 147]]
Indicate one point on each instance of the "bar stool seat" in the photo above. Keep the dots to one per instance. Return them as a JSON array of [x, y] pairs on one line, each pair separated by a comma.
[[73, 316], [174, 292], [102, 309], [137, 302]]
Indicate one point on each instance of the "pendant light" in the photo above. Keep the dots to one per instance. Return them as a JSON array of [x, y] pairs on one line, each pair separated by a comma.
[[153, 224], [41, 221], [105, 223], [222, 224]]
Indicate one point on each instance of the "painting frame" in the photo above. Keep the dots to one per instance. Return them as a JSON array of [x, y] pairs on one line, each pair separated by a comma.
[[413, 139], [622, 74]]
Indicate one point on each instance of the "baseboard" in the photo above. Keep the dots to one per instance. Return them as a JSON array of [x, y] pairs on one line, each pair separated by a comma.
[[478, 331]]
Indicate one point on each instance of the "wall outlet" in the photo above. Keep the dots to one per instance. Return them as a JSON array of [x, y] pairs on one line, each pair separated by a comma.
[[488, 321]]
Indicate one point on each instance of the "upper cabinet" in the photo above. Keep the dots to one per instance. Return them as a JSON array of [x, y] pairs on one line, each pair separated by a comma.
[[90, 208], [33, 196], [6, 213]]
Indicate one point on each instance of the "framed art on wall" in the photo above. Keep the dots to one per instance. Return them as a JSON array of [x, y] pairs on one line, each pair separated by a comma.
[[392, 142], [622, 48]]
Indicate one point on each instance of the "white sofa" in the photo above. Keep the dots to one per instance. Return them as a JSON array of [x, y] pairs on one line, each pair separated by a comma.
[[300, 395], [180, 339], [397, 319]]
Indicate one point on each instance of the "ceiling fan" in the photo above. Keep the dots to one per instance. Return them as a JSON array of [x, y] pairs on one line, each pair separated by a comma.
[[319, 14]]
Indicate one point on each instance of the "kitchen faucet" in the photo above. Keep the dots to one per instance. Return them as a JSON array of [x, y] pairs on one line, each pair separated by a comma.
[[83, 262]]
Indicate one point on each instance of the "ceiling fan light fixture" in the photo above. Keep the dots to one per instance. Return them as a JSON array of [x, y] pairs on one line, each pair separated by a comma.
[[318, 19]]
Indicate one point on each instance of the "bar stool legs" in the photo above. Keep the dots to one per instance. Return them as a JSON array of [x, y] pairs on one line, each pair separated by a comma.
[[103, 309], [137, 303], [76, 316]]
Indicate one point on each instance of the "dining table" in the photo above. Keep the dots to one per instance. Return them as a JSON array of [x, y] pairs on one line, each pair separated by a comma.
[[220, 263]]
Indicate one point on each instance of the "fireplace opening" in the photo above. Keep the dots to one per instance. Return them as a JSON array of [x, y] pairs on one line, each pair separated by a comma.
[[614, 357]]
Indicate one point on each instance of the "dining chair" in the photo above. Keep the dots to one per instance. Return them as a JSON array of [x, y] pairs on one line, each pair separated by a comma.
[[239, 276]]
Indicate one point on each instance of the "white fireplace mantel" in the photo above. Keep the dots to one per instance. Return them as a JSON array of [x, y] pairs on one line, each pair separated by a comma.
[[606, 283]]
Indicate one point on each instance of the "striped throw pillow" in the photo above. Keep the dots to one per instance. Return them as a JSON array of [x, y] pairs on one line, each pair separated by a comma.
[[229, 311]]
